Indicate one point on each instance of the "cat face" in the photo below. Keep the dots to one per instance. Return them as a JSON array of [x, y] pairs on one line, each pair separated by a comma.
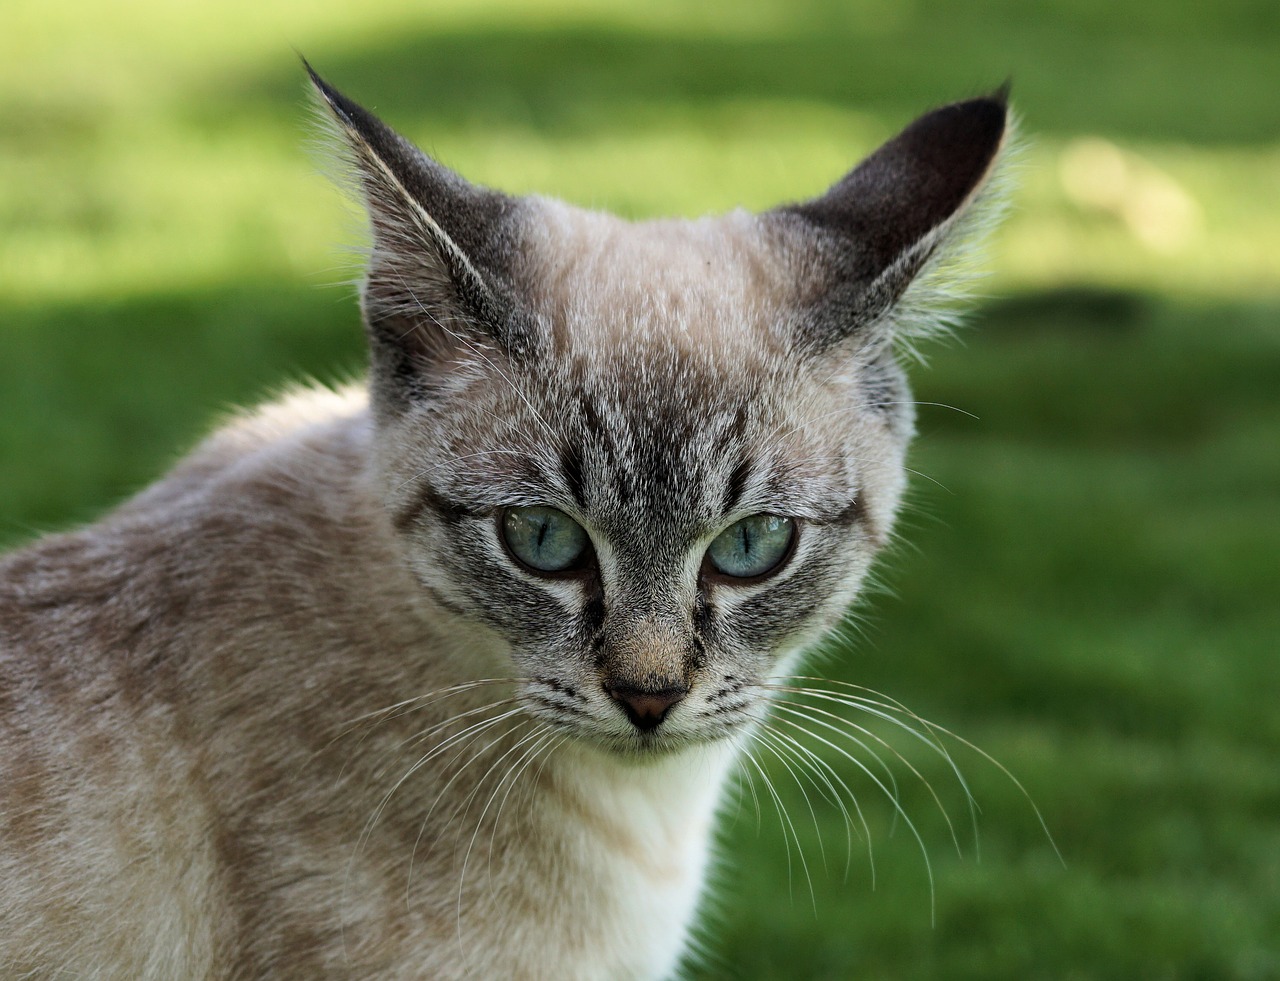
[[666, 503], [655, 460]]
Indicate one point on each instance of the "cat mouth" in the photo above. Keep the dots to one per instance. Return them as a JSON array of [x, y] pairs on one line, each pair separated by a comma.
[[665, 739], [634, 723]]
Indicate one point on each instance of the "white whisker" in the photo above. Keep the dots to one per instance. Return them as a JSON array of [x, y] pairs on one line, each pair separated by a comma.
[[828, 774], [548, 742], [784, 705], [461, 807], [533, 736], [888, 709], [769, 739], [469, 733], [787, 825], [422, 735], [803, 713], [393, 711]]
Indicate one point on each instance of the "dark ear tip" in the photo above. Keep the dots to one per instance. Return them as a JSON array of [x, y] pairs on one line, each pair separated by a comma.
[[993, 108], [988, 113], [983, 119], [321, 85], [334, 99]]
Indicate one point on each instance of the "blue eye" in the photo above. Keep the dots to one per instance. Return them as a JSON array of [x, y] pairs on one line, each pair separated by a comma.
[[753, 547], [544, 539]]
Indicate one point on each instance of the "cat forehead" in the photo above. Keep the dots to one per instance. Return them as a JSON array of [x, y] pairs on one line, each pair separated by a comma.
[[669, 337], [669, 432], [726, 283]]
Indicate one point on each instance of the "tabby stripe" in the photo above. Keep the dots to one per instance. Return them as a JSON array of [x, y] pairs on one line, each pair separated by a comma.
[[571, 469], [854, 512], [428, 497], [737, 485]]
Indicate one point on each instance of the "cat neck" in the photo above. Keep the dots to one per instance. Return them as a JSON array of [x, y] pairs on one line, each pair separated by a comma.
[[673, 795], [629, 843]]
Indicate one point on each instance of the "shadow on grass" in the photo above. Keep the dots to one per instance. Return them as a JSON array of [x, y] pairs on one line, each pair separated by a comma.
[[1107, 370], [97, 398]]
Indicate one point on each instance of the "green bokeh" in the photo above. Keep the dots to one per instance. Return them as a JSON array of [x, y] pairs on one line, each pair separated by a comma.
[[1088, 583]]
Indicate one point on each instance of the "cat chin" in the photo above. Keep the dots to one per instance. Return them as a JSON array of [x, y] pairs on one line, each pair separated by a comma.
[[651, 747]]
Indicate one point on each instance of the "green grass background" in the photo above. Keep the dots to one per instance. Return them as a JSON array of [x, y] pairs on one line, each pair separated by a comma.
[[1090, 589]]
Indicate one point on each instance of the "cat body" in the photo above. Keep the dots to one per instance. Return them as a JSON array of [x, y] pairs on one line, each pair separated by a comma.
[[217, 836], [444, 678]]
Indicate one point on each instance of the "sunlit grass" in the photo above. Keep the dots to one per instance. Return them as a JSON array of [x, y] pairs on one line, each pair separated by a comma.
[[151, 145], [153, 205]]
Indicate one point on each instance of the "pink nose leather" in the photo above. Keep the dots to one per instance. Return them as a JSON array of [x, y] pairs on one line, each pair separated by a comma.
[[645, 707]]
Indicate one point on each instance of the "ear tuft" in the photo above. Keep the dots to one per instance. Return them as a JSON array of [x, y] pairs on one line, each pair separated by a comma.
[[336, 101], [439, 272]]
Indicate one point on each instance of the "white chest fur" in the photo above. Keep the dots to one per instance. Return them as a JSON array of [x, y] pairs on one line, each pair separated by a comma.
[[612, 872]]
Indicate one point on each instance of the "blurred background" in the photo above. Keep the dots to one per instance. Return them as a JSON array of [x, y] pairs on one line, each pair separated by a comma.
[[1088, 589]]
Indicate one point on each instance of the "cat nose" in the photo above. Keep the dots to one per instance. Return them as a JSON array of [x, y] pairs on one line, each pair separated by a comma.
[[645, 707]]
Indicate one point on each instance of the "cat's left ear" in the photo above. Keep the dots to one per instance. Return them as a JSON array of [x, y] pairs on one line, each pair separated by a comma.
[[880, 227], [438, 282]]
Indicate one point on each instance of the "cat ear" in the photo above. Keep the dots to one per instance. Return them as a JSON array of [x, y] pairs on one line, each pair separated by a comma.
[[890, 218], [437, 282]]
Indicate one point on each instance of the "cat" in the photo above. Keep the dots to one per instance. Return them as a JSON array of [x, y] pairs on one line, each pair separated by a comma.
[[443, 677]]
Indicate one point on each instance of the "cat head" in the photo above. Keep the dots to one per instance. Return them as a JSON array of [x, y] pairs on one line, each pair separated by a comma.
[[654, 459]]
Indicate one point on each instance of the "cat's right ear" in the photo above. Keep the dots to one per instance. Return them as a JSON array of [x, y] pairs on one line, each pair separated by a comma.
[[895, 219], [437, 284]]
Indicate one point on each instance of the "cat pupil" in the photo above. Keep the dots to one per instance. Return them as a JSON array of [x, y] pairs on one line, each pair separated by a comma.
[[543, 539], [752, 547]]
